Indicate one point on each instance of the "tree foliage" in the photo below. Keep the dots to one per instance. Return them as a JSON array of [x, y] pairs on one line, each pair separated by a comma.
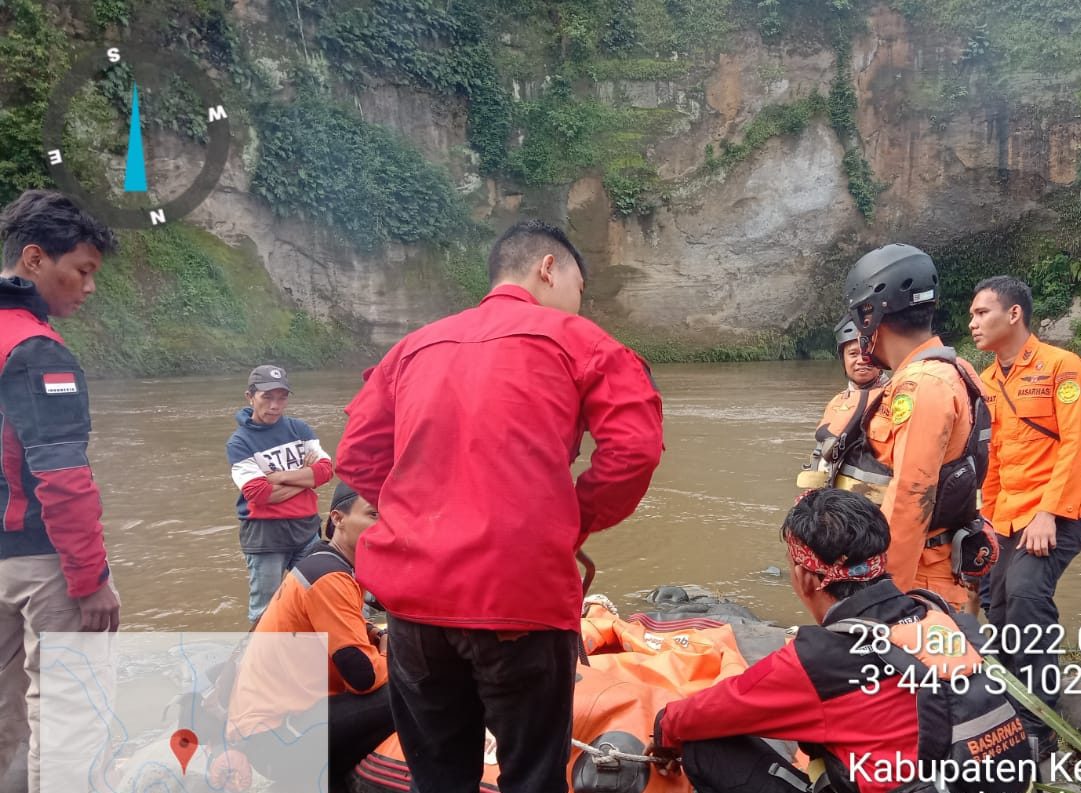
[[446, 50], [320, 161], [33, 55]]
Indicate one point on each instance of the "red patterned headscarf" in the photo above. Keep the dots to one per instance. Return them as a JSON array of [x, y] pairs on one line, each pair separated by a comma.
[[840, 570]]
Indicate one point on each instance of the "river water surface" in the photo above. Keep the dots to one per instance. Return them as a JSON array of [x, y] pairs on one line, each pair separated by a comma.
[[736, 435]]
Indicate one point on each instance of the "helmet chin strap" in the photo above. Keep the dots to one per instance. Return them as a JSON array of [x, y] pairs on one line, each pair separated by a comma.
[[867, 350]]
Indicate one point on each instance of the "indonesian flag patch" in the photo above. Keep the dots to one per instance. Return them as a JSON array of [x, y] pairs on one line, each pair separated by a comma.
[[59, 383]]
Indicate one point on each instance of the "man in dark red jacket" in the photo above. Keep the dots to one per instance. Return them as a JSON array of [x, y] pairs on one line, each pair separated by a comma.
[[827, 690], [54, 575], [462, 437]]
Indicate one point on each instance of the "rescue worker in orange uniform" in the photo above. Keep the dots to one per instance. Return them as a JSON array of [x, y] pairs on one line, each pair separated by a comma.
[[916, 453], [284, 708], [1032, 494], [865, 383]]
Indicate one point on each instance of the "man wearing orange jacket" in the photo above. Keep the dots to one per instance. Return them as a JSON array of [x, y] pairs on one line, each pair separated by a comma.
[[865, 383], [1032, 493], [916, 455], [344, 703]]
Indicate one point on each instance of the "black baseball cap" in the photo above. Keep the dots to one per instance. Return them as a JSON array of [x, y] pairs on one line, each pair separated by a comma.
[[342, 500], [268, 377]]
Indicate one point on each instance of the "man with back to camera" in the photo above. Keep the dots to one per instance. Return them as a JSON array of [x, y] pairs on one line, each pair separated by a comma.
[[277, 464], [919, 456], [463, 437], [1032, 494], [54, 574]]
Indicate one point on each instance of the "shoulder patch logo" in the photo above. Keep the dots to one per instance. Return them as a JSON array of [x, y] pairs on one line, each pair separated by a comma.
[[57, 383], [1068, 392], [901, 408]]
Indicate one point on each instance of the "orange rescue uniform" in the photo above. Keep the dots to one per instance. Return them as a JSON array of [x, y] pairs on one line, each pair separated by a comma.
[[319, 595], [1029, 471], [839, 410], [922, 422]]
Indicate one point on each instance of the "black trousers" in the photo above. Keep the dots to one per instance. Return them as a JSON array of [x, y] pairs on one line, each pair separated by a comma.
[[447, 684], [740, 764], [355, 725], [1023, 595], [358, 723]]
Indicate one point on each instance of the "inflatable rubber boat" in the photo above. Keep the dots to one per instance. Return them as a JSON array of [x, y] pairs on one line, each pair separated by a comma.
[[629, 670]]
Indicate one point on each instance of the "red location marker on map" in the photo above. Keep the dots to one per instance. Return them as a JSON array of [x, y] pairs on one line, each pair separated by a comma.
[[184, 743]]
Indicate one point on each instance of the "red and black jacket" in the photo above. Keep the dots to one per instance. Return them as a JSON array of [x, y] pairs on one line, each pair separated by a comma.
[[814, 690], [49, 502]]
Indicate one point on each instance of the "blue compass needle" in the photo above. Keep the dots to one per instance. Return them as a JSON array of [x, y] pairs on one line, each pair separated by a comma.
[[135, 173]]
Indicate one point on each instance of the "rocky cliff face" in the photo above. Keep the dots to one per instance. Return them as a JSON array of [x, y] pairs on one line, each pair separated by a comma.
[[728, 253], [962, 170], [380, 296]]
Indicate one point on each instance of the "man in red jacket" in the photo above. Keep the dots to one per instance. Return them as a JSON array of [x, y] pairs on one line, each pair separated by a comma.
[[54, 575], [831, 691], [462, 437]]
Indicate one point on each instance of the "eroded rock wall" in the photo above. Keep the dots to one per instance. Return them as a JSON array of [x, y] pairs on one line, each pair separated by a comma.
[[963, 169], [727, 254]]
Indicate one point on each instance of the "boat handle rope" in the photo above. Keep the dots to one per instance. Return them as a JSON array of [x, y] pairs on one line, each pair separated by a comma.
[[608, 755]]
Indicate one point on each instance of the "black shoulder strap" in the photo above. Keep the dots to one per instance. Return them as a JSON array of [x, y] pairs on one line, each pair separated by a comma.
[[895, 656], [857, 415], [932, 600], [977, 435], [849, 435], [1039, 428]]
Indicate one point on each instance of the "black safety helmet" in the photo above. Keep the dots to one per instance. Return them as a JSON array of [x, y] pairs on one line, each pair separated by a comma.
[[844, 332], [887, 280]]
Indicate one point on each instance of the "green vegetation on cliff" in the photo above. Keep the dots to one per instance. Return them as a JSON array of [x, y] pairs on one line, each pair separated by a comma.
[[178, 300], [1047, 256], [321, 162], [33, 58], [767, 347], [549, 91], [1039, 35], [441, 47]]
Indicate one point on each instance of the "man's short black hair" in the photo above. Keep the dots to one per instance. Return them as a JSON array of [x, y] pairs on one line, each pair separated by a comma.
[[52, 221], [1010, 292], [911, 320], [519, 245], [835, 523]]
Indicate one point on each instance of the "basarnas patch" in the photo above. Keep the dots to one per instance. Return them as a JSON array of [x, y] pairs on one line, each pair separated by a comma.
[[901, 408]]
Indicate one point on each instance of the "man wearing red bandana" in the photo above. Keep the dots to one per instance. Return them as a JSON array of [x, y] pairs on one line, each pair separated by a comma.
[[812, 690]]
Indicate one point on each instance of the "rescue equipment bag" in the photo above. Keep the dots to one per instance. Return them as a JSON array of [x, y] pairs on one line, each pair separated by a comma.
[[962, 718], [974, 549]]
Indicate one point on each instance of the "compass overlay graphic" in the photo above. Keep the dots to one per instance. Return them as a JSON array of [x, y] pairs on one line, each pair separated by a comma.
[[150, 67]]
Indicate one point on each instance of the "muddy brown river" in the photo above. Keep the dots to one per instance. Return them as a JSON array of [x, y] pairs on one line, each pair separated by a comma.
[[736, 435]]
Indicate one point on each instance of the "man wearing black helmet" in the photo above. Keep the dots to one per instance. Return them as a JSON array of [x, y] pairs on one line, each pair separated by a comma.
[[916, 453], [843, 412]]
